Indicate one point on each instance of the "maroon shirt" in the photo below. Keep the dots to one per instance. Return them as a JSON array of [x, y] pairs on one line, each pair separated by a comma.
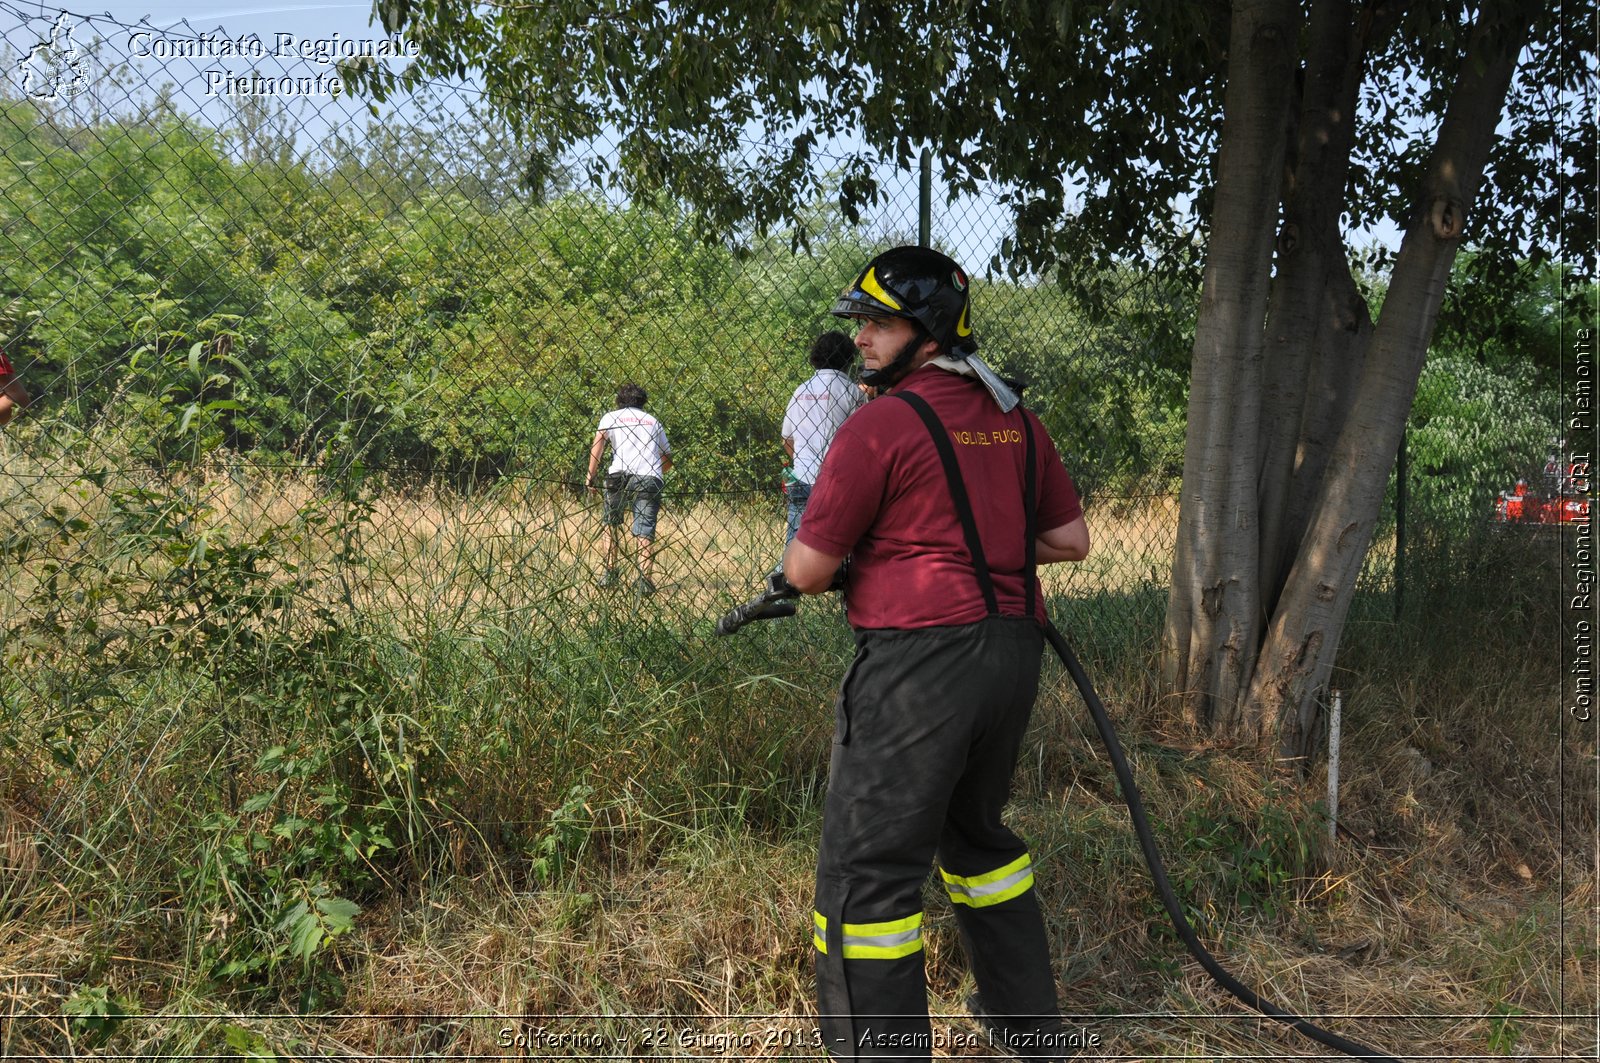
[[883, 499]]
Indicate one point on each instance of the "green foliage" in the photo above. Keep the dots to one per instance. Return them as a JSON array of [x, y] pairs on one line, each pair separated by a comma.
[[315, 920], [216, 307], [247, 1044], [276, 870], [263, 736], [93, 1013], [304, 755], [558, 849], [158, 599], [1474, 430], [1508, 314], [1504, 1029], [1224, 863], [1097, 124], [1119, 431], [1096, 117]]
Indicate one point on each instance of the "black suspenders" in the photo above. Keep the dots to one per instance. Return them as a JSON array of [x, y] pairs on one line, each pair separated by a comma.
[[963, 504]]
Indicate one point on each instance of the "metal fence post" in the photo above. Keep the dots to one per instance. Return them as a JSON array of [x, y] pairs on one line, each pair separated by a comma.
[[1334, 729], [1402, 468], [925, 201]]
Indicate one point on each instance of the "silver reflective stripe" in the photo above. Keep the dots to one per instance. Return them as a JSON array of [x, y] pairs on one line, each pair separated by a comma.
[[1001, 889], [882, 941], [992, 887], [872, 941]]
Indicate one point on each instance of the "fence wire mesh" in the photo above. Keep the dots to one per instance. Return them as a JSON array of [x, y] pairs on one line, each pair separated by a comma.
[[313, 394], [284, 363], [296, 527]]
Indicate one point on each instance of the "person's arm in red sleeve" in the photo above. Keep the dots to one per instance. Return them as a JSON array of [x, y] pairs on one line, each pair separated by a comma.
[[13, 396], [810, 570], [843, 504], [1060, 510], [1069, 542]]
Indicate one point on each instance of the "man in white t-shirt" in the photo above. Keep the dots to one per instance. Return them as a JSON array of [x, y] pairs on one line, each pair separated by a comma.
[[640, 454], [816, 410]]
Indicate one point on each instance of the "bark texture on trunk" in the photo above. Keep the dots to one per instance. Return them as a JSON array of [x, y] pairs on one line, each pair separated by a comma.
[[1303, 635], [1315, 335], [1297, 398], [1213, 615]]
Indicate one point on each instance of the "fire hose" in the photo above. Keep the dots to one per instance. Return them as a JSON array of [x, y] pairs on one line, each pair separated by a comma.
[[778, 600]]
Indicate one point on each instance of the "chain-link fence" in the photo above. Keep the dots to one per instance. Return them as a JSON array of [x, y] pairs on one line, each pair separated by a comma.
[[305, 589], [365, 363], [305, 584]]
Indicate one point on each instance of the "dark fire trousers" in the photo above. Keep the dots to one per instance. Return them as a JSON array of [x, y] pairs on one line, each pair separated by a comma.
[[929, 724]]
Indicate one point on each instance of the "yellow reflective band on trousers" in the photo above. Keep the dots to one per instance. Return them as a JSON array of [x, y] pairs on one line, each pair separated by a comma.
[[1001, 884], [873, 941]]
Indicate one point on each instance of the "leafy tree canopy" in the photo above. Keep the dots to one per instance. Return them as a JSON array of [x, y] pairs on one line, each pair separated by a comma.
[[1098, 120]]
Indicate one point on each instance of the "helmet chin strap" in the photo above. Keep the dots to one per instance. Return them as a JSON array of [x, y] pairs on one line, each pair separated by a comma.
[[889, 375]]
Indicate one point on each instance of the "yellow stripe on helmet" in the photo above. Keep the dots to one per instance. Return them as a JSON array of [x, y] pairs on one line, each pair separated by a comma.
[[869, 284]]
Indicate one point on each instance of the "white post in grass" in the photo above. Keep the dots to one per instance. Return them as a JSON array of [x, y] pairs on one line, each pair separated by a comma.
[[1333, 768]]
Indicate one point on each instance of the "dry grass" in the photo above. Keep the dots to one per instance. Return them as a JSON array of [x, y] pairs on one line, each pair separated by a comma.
[[711, 947], [434, 554], [1456, 918]]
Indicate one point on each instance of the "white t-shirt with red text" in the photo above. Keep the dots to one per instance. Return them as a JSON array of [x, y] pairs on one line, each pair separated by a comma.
[[637, 441], [815, 411]]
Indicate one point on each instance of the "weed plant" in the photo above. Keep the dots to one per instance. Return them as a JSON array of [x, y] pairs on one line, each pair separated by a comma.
[[356, 773]]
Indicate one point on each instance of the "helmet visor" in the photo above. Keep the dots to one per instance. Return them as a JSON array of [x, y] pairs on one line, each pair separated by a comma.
[[869, 296], [856, 303]]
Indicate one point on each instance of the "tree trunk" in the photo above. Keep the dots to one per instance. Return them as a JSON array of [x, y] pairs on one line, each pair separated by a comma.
[[1286, 462], [1213, 615], [1303, 636], [1315, 334]]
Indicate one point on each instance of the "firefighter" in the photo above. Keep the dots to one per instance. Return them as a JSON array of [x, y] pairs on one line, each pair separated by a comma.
[[944, 494], [1518, 506]]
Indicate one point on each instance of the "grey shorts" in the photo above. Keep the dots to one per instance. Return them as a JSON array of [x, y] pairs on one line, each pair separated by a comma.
[[643, 493]]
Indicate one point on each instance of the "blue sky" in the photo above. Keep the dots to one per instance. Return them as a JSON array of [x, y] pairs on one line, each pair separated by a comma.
[[123, 30], [971, 230], [306, 20]]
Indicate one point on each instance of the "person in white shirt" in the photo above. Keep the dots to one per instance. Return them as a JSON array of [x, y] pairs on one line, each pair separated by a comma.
[[640, 455], [815, 411]]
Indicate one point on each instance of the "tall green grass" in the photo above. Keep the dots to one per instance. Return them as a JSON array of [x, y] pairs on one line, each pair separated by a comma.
[[431, 771]]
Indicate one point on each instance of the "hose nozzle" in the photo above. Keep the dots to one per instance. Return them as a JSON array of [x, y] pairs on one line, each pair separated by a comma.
[[778, 600]]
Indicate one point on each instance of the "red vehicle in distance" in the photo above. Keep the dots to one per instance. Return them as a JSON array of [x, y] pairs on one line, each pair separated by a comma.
[[1564, 498]]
